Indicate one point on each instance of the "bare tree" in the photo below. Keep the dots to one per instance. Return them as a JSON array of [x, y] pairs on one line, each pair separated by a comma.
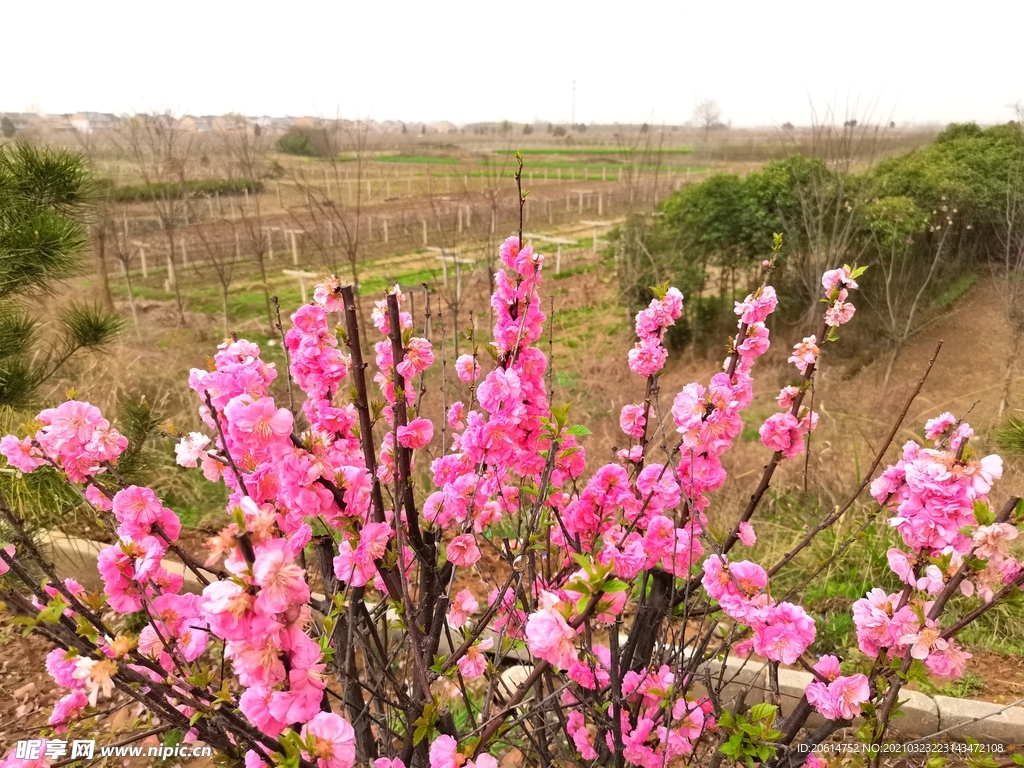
[[707, 115], [163, 152], [825, 231], [101, 213], [896, 225], [219, 259], [124, 250], [347, 148], [247, 150]]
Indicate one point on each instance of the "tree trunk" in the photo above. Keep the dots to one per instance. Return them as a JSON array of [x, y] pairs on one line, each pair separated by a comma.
[[177, 290], [266, 296], [131, 301], [224, 307], [891, 364], [1011, 363], [101, 253]]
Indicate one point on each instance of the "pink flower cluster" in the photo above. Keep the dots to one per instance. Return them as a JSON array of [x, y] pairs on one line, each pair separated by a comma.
[[935, 494], [783, 433], [74, 436], [837, 696], [648, 355], [708, 419], [782, 631], [837, 284]]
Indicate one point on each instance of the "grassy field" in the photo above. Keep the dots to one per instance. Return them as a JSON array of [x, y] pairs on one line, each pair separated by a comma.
[[611, 151]]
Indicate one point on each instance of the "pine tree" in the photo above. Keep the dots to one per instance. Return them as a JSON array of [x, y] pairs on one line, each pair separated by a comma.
[[44, 200]]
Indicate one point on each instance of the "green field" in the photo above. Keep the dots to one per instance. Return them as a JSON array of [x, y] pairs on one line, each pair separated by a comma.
[[418, 159], [598, 151]]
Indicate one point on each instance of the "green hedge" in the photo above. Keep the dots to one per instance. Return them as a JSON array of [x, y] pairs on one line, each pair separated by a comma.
[[191, 188]]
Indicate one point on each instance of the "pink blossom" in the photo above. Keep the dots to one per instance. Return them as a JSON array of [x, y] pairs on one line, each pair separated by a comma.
[[62, 668], [419, 355], [576, 727], [20, 454], [461, 607], [190, 448], [746, 534], [255, 705], [949, 662], [467, 368], [837, 278], [647, 358], [632, 421], [444, 753], [98, 498], [993, 541], [756, 307], [805, 354], [257, 423], [901, 564], [786, 633], [474, 662], [935, 429], [456, 416], [688, 412], [828, 667], [67, 709], [549, 636], [923, 641], [839, 313], [328, 295], [333, 741], [786, 397], [462, 550], [841, 698], [417, 434], [781, 433], [282, 580]]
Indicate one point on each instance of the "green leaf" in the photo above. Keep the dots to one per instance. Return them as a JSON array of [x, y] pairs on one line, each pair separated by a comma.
[[763, 711], [579, 430], [983, 513]]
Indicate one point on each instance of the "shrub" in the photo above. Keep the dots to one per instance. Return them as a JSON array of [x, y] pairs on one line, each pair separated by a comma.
[[192, 188], [298, 143]]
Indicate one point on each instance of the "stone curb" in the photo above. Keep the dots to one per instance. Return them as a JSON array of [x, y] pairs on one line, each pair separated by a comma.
[[923, 715]]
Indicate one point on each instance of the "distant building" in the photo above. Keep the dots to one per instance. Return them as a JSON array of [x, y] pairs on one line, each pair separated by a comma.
[[442, 127], [196, 124], [89, 122]]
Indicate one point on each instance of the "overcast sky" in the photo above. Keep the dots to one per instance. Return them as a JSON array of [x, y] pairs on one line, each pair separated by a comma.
[[632, 61]]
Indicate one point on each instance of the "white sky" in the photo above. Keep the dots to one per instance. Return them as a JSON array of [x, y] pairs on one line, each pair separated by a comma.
[[633, 61]]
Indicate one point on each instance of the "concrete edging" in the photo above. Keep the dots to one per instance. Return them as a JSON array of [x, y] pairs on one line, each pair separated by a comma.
[[923, 715]]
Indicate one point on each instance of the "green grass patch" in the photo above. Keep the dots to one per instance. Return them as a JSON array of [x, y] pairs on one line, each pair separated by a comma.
[[597, 168], [565, 273], [954, 291], [418, 159], [966, 687], [609, 151]]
